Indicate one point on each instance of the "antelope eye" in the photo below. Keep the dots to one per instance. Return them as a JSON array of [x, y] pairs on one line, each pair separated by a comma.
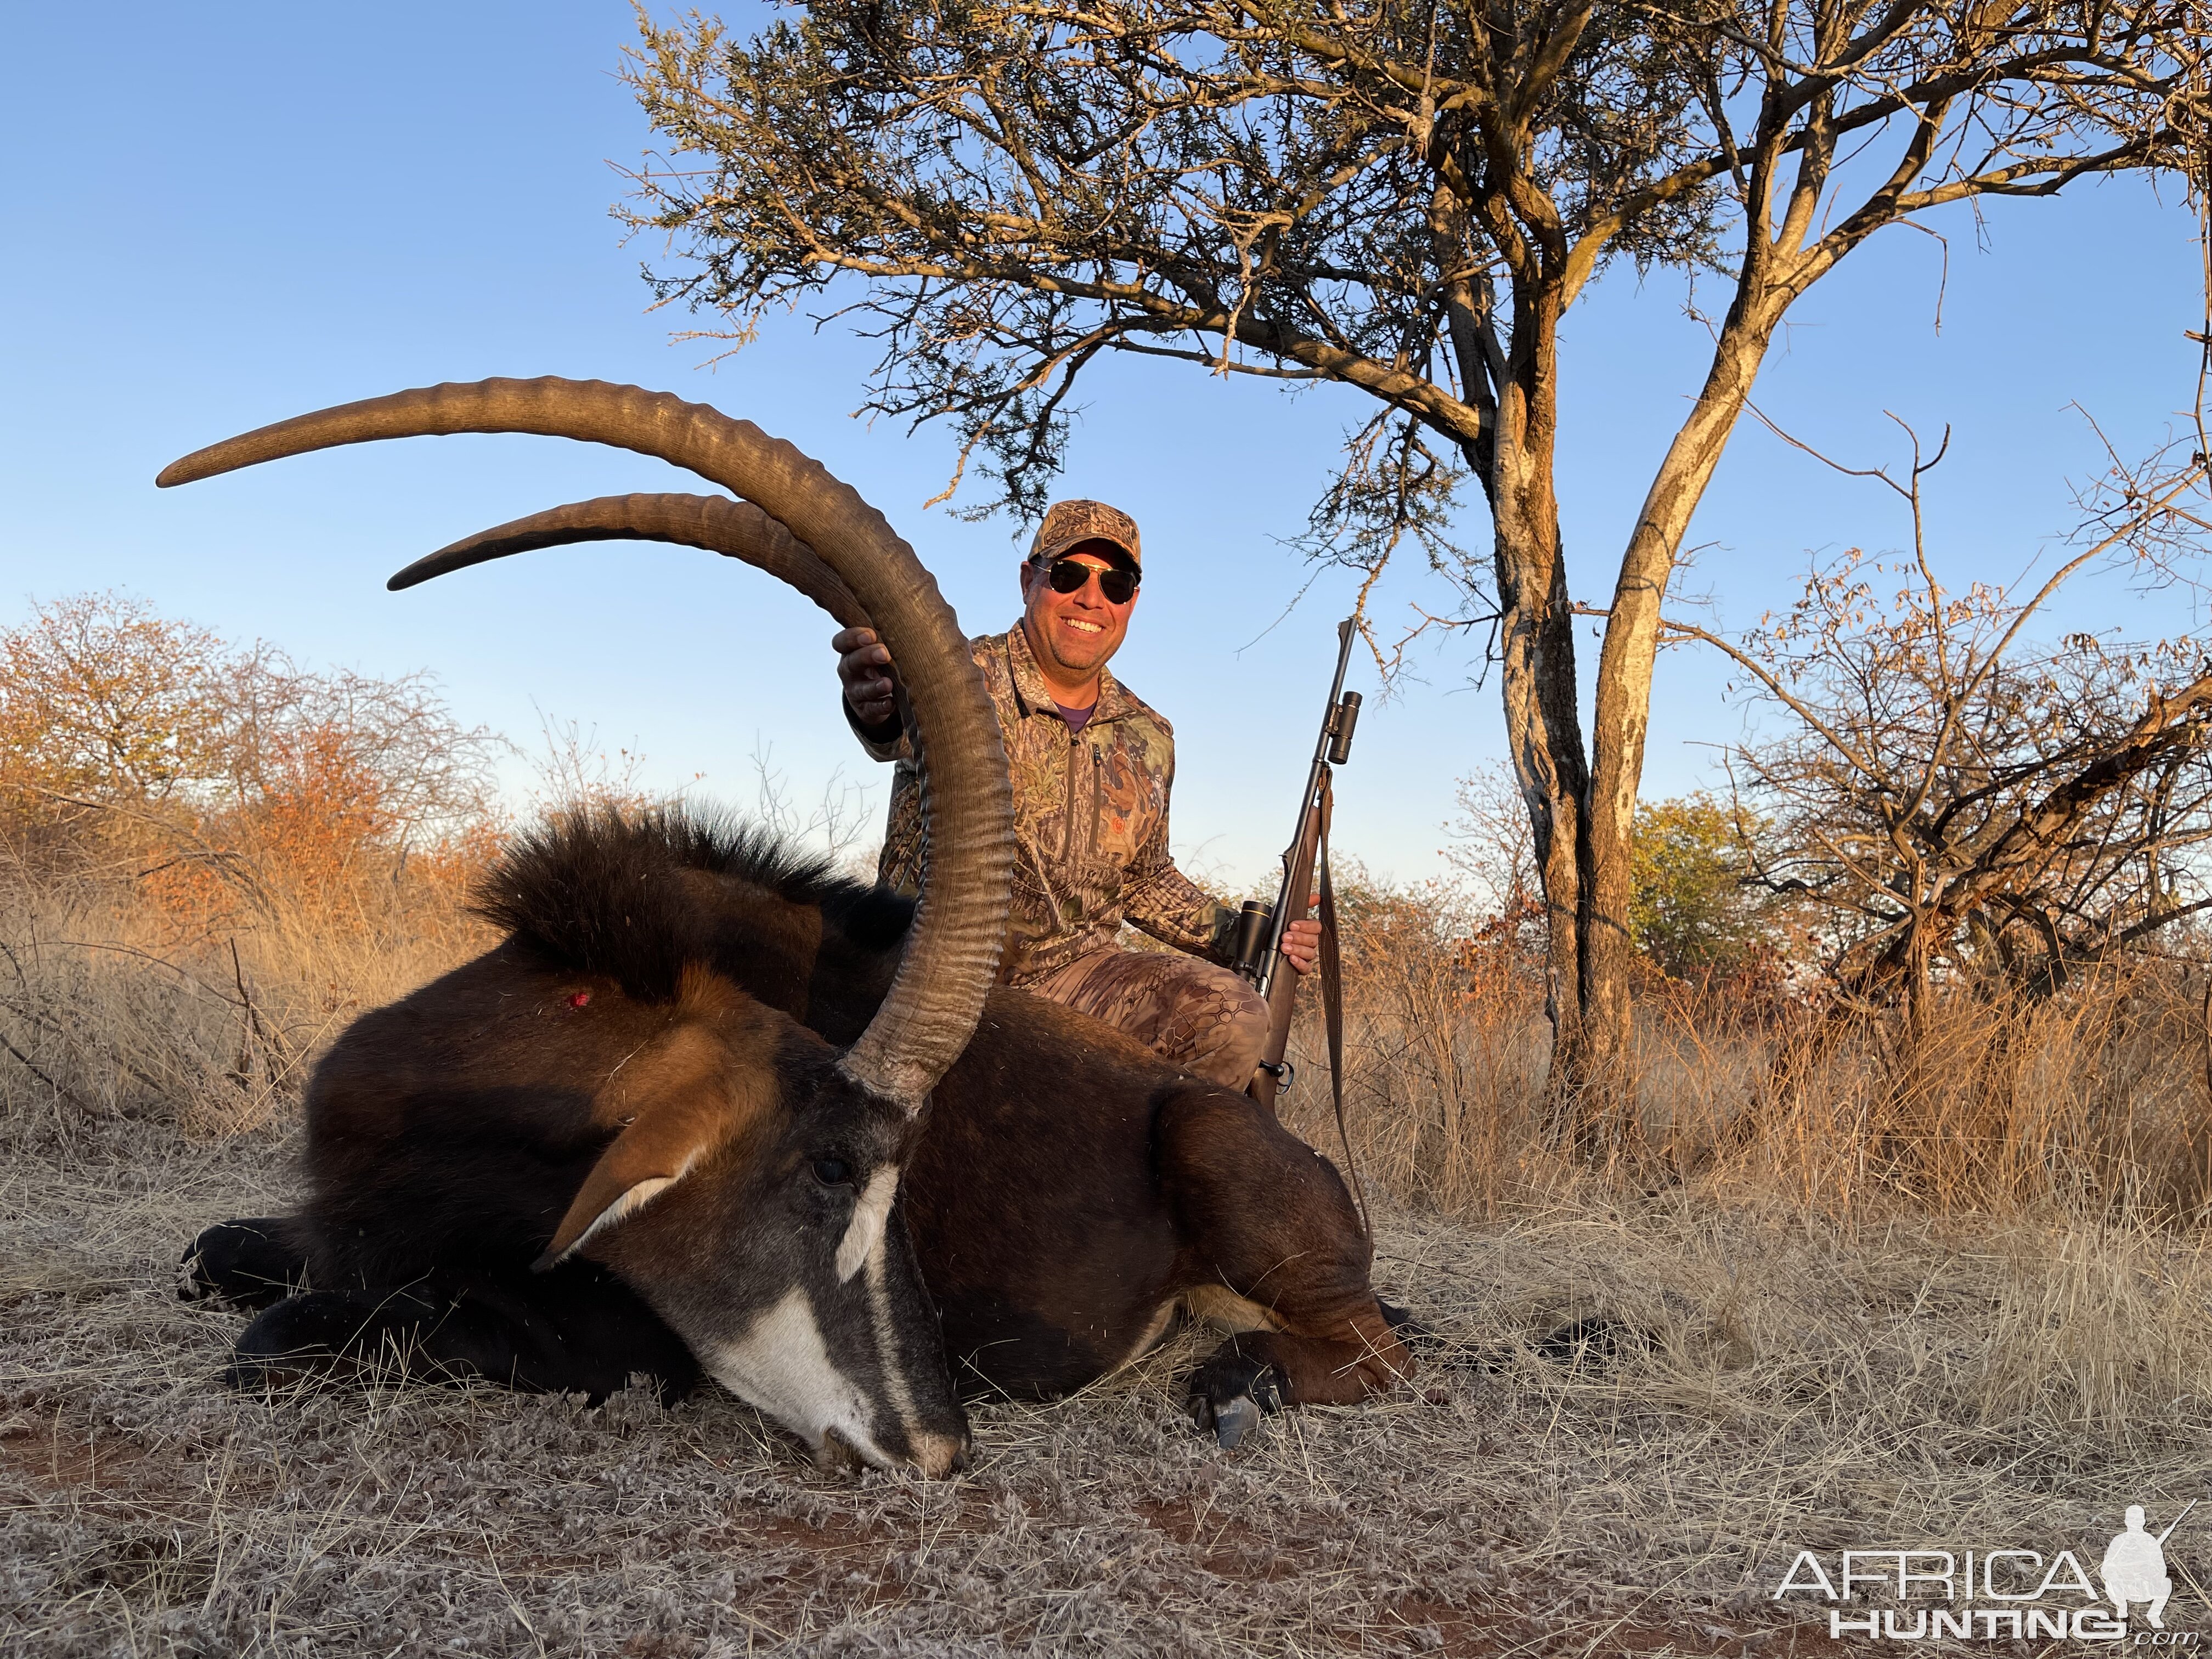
[[832, 1172]]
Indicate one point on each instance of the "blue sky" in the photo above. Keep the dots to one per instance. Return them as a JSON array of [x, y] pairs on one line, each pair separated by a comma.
[[221, 216]]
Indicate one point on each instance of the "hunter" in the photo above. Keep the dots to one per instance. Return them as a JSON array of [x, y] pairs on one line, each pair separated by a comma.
[[1092, 766]]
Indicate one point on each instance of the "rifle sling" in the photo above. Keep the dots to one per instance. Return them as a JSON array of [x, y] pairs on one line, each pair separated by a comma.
[[1332, 1000]]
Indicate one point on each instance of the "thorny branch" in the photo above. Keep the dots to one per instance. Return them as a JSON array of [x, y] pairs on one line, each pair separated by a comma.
[[1953, 794], [1402, 198]]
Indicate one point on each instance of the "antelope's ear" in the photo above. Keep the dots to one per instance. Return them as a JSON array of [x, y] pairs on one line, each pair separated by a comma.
[[680, 1100]]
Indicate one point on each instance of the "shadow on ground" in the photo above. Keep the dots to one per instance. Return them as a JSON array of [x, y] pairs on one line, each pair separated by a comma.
[[1777, 1387]]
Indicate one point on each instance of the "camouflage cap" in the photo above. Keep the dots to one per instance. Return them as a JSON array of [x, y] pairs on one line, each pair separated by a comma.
[[1066, 523]]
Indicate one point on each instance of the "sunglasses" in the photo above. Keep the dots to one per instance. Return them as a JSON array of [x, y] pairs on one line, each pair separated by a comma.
[[1067, 576]]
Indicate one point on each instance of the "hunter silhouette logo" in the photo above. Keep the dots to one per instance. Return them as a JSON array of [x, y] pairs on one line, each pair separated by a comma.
[[2134, 1567], [1999, 1594]]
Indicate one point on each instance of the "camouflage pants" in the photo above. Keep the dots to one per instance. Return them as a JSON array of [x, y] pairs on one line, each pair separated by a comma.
[[1204, 1018]]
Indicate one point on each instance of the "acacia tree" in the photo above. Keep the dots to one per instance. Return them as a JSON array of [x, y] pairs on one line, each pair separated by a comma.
[[1401, 196], [1696, 912]]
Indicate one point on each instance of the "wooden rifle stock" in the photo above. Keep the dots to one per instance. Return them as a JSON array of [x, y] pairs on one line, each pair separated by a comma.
[[1269, 973], [1283, 986]]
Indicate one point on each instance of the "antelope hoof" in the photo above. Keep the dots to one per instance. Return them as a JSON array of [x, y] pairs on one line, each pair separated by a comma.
[[194, 1282], [1229, 1392], [1233, 1419], [245, 1264]]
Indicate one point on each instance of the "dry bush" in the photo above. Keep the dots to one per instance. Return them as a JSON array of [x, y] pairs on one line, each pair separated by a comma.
[[1945, 1304], [1445, 1047], [2092, 1102], [104, 1014], [136, 746], [210, 859], [1946, 791]]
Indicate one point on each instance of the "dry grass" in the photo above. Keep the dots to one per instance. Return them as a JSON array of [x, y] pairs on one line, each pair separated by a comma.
[[1822, 1345], [1794, 1384], [2094, 1103], [109, 1009]]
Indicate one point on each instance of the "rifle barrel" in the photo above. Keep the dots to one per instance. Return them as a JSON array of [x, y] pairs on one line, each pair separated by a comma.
[[1270, 958], [2176, 1522]]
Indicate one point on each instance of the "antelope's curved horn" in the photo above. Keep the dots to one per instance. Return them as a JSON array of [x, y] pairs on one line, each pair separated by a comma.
[[736, 530], [953, 956]]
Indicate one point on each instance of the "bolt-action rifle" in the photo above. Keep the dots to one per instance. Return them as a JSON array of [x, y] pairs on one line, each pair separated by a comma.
[[2176, 1522], [1260, 928]]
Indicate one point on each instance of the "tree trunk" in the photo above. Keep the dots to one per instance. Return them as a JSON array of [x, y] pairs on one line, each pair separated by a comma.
[[1536, 649], [1604, 1124], [1582, 803]]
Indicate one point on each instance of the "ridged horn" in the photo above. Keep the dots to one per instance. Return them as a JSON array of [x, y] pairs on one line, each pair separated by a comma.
[[736, 530], [953, 956]]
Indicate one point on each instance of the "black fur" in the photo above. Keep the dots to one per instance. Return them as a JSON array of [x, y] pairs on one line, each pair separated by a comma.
[[604, 893], [249, 1263], [1070, 1189], [578, 1328]]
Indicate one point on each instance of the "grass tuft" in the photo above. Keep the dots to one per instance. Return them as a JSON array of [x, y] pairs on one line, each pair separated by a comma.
[[1963, 1306]]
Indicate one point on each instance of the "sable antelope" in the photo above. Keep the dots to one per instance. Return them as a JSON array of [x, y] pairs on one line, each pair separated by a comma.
[[663, 1125]]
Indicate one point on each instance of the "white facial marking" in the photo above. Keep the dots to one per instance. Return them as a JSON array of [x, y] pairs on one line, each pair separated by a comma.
[[781, 1366], [887, 1349], [871, 1214]]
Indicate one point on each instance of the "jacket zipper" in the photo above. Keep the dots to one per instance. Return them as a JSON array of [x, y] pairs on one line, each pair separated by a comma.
[[1068, 830], [1098, 792]]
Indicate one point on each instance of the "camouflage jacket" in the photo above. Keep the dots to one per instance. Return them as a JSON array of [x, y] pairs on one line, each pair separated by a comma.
[[1091, 822]]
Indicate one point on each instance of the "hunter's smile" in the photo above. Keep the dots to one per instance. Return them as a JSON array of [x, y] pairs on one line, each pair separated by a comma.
[[1072, 634]]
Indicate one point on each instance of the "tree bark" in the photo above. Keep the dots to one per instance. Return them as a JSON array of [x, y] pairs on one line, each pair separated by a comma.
[[1604, 1120], [1536, 649]]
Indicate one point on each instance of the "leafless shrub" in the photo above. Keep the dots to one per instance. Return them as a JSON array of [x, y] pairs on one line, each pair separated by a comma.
[[1961, 799], [572, 772], [840, 824]]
